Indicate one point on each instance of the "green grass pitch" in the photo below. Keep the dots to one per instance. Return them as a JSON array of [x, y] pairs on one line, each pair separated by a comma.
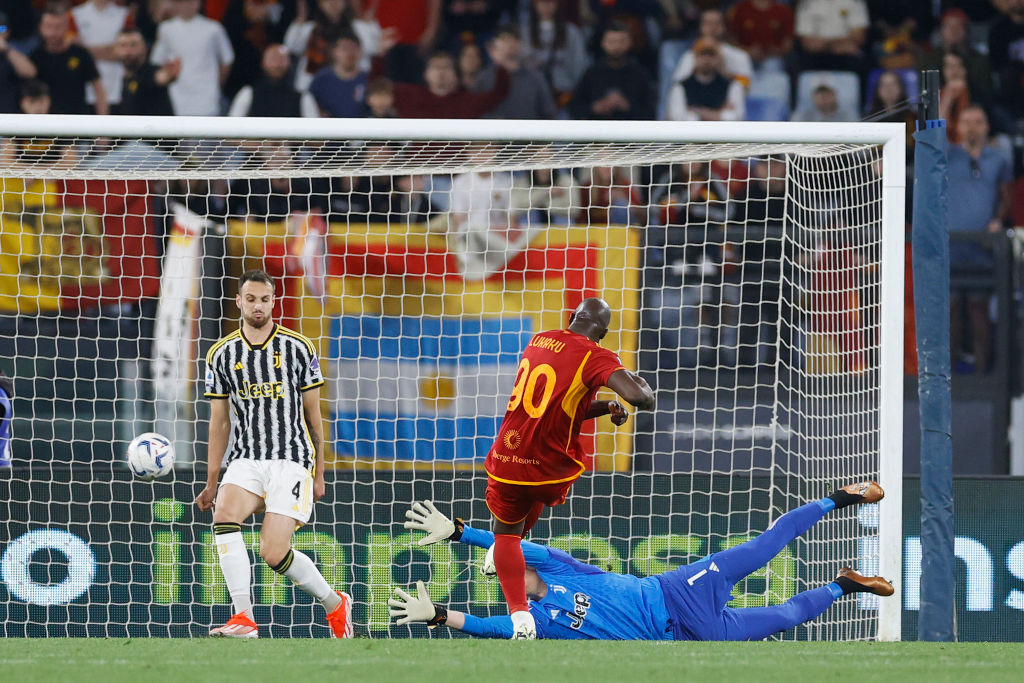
[[285, 661]]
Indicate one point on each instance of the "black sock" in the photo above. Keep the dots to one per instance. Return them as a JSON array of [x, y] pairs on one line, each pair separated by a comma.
[[843, 499], [850, 586]]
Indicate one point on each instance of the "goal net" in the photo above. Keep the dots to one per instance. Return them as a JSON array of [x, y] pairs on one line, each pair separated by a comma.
[[755, 273]]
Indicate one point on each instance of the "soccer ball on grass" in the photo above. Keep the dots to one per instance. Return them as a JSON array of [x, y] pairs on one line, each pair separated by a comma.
[[150, 455]]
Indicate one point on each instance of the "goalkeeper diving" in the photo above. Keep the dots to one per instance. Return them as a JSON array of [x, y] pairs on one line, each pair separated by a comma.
[[571, 600]]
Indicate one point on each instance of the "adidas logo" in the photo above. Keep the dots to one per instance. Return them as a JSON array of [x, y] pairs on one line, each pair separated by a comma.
[[238, 365]]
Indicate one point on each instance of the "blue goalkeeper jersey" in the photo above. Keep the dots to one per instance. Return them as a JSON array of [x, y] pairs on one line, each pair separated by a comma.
[[582, 602]]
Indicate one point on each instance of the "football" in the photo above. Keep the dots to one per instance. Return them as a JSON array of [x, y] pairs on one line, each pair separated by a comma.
[[150, 455]]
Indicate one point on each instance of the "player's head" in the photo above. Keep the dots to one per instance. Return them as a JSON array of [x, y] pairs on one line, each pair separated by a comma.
[[255, 298], [591, 319]]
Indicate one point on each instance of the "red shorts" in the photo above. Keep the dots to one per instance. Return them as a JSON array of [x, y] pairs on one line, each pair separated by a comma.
[[513, 503]]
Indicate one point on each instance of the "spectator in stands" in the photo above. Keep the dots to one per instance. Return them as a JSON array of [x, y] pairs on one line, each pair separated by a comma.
[[955, 95], [65, 67], [144, 85], [274, 94], [206, 56], [766, 194], [271, 199], [25, 154], [824, 106], [528, 94], [764, 29], [898, 28], [706, 95], [340, 88], [149, 14], [687, 198], [636, 16], [980, 199], [1006, 52], [253, 26], [736, 63], [441, 97], [35, 98], [483, 230], [14, 65], [97, 23], [380, 99], [607, 196], [545, 197], [953, 36], [414, 25], [471, 63], [890, 103], [555, 48], [311, 36], [832, 34], [475, 21], [616, 87]]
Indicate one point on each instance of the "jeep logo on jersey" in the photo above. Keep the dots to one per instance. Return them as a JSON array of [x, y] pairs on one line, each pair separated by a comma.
[[273, 390]]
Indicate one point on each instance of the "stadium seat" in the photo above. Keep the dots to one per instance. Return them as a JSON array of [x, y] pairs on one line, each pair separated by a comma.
[[909, 77], [669, 54], [846, 84], [773, 85], [767, 109]]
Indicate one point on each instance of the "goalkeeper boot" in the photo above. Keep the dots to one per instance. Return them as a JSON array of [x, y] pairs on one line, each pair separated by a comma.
[[855, 494], [238, 626], [863, 584], [523, 626], [340, 620]]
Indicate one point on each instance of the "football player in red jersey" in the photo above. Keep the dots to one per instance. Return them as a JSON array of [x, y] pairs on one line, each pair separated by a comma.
[[537, 456]]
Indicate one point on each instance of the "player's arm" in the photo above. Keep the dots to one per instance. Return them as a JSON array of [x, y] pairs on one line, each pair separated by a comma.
[[614, 408], [220, 428], [427, 518], [418, 609], [631, 387], [311, 413]]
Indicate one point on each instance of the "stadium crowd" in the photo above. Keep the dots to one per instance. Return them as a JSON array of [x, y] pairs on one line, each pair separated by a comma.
[[805, 60]]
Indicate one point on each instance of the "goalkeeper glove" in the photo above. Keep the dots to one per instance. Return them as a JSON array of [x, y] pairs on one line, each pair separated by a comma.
[[408, 609], [427, 518]]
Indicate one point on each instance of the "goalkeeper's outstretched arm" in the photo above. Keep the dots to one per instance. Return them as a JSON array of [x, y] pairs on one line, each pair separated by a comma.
[[423, 516], [412, 609]]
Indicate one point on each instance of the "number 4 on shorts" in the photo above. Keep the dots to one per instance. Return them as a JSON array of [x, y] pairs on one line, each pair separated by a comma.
[[295, 490]]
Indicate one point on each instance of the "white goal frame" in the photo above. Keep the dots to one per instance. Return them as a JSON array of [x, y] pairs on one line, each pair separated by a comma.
[[890, 136]]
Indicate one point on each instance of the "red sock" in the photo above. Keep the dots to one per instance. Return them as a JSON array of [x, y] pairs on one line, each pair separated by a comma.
[[511, 567]]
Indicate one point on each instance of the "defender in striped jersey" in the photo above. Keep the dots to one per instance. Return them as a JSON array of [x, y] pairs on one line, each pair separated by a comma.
[[270, 376]]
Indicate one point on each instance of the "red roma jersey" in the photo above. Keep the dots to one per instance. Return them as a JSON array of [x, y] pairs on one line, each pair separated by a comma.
[[538, 442]]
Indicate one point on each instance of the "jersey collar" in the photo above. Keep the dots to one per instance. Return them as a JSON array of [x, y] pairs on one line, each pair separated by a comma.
[[257, 347]]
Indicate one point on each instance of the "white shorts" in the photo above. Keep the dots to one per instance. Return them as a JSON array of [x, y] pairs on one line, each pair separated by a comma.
[[286, 487]]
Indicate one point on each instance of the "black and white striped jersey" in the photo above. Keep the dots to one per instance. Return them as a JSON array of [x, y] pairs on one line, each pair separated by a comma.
[[264, 383]]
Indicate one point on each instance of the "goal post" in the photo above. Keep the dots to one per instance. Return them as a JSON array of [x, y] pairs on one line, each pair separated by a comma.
[[755, 271]]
